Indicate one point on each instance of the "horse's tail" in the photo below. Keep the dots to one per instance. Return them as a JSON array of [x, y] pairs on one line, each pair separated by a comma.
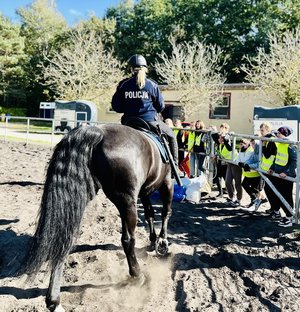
[[69, 186]]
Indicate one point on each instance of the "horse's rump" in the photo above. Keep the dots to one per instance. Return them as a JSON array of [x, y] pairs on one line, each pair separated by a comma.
[[126, 157]]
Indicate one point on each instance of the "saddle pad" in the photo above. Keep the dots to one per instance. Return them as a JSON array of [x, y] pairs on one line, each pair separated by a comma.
[[156, 139]]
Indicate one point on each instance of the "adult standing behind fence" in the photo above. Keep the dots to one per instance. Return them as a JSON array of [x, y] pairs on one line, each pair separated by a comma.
[[198, 150], [284, 165], [221, 166], [190, 145], [180, 138]]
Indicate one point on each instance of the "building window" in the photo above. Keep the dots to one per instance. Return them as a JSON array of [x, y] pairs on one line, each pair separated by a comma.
[[222, 109]]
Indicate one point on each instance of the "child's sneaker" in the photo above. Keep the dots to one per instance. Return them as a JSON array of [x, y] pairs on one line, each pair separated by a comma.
[[235, 203], [257, 203], [286, 222], [249, 208], [275, 215]]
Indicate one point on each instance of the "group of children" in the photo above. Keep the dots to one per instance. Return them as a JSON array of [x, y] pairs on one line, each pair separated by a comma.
[[238, 167]]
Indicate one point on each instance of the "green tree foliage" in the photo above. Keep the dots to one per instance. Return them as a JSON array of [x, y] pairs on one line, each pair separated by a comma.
[[238, 27], [104, 28], [43, 28], [11, 58], [41, 23], [142, 28]]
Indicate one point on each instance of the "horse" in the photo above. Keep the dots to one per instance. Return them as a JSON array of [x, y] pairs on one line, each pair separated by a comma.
[[128, 166]]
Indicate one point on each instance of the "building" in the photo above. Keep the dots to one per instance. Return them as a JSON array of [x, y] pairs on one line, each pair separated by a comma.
[[236, 109]]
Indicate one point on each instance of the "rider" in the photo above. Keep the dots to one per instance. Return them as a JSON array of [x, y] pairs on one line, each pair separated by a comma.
[[139, 96]]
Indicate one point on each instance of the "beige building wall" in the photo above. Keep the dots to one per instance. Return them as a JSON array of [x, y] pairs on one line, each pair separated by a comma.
[[107, 116], [243, 98]]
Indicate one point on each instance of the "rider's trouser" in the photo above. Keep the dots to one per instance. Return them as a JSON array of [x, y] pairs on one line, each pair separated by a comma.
[[171, 138]]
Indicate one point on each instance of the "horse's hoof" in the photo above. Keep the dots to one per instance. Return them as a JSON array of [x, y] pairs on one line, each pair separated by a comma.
[[151, 247], [139, 280], [162, 247], [132, 281], [59, 308]]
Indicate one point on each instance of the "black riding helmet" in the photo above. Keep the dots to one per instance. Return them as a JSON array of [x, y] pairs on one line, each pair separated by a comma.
[[137, 60]]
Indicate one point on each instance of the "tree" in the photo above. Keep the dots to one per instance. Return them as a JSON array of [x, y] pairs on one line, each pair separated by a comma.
[[238, 27], [83, 69], [43, 28], [276, 72], [11, 58], [40, 24], [194, 68], [142, 27], [105, 28]]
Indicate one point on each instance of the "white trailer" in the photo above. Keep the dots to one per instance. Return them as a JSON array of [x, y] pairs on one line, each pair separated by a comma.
[[278, 117], [68, 115]]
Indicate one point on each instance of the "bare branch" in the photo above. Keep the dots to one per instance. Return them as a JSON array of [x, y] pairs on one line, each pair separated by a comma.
[[83, 70], [277, 73], [195, 69]]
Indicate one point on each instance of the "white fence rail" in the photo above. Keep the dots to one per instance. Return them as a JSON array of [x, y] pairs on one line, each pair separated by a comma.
[[31, 129]]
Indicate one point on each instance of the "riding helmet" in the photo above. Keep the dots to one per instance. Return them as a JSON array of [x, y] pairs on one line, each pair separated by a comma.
[[137, 60]]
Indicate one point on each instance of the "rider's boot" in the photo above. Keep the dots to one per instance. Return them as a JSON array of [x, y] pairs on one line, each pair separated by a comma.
[[174, 151]]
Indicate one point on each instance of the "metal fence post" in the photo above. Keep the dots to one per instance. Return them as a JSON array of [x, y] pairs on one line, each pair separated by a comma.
[[27, 131], [297, 212], [52, 133], [5, 131]]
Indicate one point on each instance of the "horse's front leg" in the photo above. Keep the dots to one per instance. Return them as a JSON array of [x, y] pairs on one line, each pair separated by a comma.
[[166, 191], [53, 293], [149, 216]]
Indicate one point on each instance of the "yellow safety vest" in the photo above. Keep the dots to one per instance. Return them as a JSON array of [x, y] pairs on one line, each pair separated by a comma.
[[282, 155], [252, 173], [226, 154], [176, 132], [198, 139], [191, 140], [266, 163]]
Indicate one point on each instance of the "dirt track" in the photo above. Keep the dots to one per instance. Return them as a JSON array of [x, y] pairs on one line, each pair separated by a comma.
[[222, 259]]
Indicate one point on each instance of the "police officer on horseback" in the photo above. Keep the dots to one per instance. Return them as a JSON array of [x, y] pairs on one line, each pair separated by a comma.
[[139, 96]]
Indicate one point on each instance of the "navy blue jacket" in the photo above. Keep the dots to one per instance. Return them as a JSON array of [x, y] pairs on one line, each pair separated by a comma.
[[134, 102]]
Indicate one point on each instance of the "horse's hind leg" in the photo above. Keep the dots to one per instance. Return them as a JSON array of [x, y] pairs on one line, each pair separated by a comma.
[[53, 293], [166, 191], [129, 222], [149, 216]]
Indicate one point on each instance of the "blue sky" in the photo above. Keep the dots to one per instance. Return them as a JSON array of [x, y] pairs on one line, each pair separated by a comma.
[[72, 10]]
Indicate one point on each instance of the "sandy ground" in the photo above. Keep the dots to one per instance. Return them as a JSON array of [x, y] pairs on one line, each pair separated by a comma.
[[222, 259]]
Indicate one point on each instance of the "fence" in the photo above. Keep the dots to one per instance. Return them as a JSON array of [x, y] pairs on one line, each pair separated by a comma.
[[210, 148], [42, 130], [35, 130]]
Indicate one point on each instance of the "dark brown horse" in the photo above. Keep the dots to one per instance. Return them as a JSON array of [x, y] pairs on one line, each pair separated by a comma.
[[122, 161]]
